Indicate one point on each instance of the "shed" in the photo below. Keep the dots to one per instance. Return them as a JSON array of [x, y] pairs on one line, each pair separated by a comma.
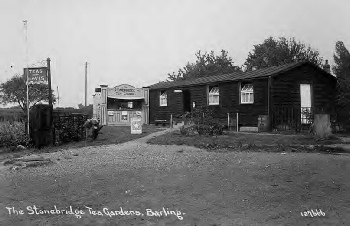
[[288, 94]]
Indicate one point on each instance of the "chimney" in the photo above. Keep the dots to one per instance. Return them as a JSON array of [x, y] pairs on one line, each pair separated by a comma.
[[327, 67]]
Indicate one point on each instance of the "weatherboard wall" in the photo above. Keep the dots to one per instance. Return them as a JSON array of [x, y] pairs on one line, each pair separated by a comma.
[[285, 88], [229, 102]]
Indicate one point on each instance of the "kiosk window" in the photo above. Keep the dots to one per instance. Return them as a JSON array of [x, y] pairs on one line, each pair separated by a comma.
[[114, 104]]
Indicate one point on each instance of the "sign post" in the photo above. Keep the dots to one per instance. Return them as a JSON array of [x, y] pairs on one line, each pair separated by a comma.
[[49, 80], [39, 75]]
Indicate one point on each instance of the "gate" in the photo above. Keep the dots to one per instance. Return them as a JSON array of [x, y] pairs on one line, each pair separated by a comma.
[[40, 125]]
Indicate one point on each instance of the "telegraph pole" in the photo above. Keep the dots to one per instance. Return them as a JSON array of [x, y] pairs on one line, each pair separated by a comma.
[[58, 98], [25, 22], [49, 80], [86, 64]]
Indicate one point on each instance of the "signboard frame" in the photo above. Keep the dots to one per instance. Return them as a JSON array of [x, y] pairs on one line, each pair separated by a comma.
[[125, 92], [136, 125], [37, 75]]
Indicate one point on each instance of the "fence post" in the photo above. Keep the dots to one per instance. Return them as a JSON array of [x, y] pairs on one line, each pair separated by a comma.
[[228, 121], [171, 122], [237, 121]]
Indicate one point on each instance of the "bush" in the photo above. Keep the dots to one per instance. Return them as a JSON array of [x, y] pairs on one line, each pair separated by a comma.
[[187, 130], [13, 134], [205, 121], [69, 128], [211, 129]]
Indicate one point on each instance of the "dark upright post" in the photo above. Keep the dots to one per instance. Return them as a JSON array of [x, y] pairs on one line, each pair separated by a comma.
[[52, 138], [49, 80]]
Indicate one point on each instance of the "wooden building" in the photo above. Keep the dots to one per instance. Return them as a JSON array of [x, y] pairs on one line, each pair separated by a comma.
[[279, 91], [117, 105]]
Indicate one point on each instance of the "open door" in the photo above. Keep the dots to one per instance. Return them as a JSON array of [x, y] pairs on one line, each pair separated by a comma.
[[305, 103], [187, 100]]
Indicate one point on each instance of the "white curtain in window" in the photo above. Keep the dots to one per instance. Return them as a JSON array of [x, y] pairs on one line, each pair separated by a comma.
[[247, 94], [163, 98], [214, 95]]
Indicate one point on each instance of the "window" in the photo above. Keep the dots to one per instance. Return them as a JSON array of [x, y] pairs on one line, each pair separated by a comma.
[[213, 95], [163, 98], [116, 104], [247, 93]]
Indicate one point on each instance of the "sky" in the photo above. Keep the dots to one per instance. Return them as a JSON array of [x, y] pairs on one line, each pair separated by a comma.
[[138, 42]]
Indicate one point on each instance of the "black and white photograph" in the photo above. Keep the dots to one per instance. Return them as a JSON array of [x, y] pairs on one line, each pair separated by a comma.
[[174, 112]]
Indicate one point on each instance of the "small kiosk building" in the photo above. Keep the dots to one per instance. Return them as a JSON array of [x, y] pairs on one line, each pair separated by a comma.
[[118, 105]]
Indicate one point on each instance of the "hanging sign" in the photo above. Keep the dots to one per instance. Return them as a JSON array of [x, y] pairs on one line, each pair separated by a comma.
[[36, 75]]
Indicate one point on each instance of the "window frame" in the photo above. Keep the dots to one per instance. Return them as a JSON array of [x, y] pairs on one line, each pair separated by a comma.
[[246, 92], [162, 98], [209, 94]]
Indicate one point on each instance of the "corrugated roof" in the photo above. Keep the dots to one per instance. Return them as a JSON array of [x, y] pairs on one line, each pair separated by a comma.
[[261, 73]]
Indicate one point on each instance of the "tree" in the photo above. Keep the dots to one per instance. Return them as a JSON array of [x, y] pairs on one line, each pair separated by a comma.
[[274, 52], [342, 70], [87, 110], [15, 91], [207, 64]]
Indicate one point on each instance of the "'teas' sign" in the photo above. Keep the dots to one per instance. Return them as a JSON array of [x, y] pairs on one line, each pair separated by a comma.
[[36, 75]]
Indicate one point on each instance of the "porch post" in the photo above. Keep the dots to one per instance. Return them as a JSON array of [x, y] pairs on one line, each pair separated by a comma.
[[103, 105], [269, 104]]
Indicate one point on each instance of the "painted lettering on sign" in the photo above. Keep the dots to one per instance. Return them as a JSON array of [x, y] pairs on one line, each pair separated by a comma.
[[37, 75], [125, 90]]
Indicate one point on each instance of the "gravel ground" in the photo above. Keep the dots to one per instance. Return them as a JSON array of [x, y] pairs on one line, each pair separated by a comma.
[[126, 156], [235, 188]]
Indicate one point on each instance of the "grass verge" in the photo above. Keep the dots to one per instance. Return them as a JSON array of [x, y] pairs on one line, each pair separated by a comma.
[[249, 142]]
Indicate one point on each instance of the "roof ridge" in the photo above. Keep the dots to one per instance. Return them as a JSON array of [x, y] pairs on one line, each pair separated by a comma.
[[237, 75]]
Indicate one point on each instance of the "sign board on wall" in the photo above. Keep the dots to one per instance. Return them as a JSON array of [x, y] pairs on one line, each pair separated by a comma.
[[125, 92], [36, 75], [124, 116]]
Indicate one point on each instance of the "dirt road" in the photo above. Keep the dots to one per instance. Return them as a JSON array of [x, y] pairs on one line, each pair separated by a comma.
[[139, 184]]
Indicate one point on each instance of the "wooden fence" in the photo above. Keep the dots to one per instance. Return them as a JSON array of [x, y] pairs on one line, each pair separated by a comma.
[[289, 118]]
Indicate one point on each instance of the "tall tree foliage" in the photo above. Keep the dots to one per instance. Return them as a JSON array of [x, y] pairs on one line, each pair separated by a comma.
[[274, 52], [342, 70], [88, 110], [14, 91], [206, 64]]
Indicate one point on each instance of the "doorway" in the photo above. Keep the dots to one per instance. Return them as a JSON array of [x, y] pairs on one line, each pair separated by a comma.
[[187, 100], [305, 103]]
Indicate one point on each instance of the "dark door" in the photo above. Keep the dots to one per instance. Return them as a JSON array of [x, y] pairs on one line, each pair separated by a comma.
[[187, 100]]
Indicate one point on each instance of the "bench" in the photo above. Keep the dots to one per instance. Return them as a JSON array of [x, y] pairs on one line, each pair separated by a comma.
[[164, 122], [161, 121]]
